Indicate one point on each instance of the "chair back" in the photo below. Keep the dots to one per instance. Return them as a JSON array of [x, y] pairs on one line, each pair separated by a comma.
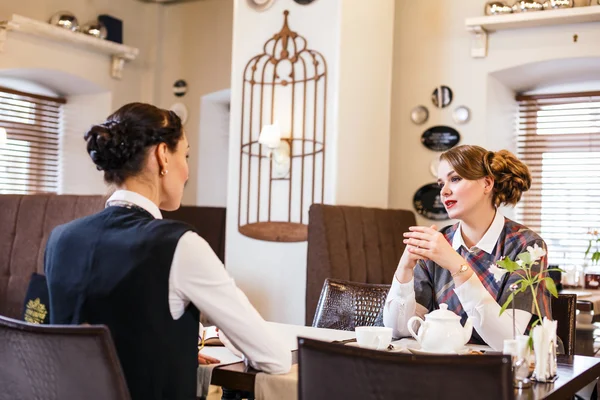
[[59, 362], [357, 244], [564, 311], [25, 224], [335, 371], [209, 222], [345, 305]]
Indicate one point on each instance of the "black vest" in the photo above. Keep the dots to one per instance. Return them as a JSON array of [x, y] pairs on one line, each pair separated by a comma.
[[112, 268]]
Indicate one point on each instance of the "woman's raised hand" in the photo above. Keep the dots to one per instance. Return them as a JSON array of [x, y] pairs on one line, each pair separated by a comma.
[[408, 261], [429, 243]]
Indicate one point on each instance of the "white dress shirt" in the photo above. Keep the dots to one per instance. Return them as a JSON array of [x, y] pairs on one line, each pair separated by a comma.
[[198, 276], [478, 303]]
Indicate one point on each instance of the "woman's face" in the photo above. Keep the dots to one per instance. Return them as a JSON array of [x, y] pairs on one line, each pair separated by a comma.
[[462, 196], [174, 181]]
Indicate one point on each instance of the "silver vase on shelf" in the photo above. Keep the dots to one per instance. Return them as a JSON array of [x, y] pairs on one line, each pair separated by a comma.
[[497, 8], [554, 4], [95, 28], [65, 19], [527, 6]]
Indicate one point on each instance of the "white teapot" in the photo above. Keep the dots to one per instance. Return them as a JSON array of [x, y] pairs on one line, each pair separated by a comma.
[[441, 332]]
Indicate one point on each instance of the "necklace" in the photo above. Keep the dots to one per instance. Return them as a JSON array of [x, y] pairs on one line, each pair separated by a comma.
[[127, 204]]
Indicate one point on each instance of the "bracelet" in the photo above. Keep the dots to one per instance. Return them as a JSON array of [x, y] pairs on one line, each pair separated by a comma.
[[463, 268]]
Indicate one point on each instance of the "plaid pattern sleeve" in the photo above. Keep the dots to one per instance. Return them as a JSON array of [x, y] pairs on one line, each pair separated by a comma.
[[434, 285]]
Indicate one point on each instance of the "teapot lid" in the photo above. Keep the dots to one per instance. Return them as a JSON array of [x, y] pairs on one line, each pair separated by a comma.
[[442, 314]]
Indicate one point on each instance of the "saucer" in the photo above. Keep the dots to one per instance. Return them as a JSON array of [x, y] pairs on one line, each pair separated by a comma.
[[418, 351]]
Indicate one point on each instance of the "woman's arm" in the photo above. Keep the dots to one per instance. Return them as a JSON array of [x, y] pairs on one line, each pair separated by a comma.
[[401, 304], [484, 313], [197, 275]]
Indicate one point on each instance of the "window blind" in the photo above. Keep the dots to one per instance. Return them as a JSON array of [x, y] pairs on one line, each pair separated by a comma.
[[29, 142], [558, 137]]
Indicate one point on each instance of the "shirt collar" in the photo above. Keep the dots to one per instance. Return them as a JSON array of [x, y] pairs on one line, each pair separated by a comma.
[[488, 241], [138, 200]]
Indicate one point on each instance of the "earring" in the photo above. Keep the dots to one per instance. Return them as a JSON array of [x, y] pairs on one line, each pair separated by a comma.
[[164, 172]]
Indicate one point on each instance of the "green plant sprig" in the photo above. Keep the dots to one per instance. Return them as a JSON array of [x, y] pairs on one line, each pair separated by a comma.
[[529, 279]]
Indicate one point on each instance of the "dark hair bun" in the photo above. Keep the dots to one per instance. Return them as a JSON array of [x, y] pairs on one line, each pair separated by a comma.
[[119, 146], [511, 176], [109, 146]]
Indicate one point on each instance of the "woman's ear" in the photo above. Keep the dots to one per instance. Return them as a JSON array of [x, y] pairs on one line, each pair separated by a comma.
[[162, 157], [488, 184]]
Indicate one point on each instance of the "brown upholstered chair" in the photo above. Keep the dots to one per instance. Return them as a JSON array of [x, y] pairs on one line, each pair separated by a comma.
[[209, 222], [564, 310], [25, 224], [345, 305], [357, 244], [335, 371], [58, 362], [27, 220]]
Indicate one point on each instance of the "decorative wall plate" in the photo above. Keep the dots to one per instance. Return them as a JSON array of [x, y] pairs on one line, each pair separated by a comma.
[[304, 2], [419, 115], [461, 114], [260, 5], [433, 166], [440, 138], [428, 203], [181, 110], [180, 88], [441, 96]]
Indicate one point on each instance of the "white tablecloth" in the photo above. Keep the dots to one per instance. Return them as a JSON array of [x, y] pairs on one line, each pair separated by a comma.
[[276, 387]]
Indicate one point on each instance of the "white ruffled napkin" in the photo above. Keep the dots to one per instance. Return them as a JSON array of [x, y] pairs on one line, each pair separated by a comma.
[[544, 346]]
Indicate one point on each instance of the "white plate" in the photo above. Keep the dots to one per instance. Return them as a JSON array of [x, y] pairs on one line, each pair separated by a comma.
[[461, 114], [419, 115], [419, 351], [181, 110]]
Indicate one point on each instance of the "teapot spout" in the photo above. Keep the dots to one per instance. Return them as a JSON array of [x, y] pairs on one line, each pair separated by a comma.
[[468, 330]]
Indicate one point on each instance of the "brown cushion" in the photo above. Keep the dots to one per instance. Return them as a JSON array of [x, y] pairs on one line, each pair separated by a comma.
[[25, 223]]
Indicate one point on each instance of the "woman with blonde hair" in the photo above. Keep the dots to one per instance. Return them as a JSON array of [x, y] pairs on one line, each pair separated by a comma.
[[455, 265]]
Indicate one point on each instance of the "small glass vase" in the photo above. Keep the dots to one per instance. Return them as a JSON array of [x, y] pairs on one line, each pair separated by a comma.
[[520, 362]]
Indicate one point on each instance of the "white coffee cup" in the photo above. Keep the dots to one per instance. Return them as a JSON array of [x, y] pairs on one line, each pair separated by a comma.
[[373, 337]]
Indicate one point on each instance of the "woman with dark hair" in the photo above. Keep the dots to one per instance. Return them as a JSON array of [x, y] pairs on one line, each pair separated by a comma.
[[144, 277], [452, 265]]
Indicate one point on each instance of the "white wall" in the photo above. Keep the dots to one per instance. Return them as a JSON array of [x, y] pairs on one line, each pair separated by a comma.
[[273, 275], [81, 75], [25, 51], [195, 45], [432, 47], [78, 173], [213, 150], [365, 75], [356, 42]]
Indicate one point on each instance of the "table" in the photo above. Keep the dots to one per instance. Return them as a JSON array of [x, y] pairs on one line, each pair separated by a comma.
[[574, 373]]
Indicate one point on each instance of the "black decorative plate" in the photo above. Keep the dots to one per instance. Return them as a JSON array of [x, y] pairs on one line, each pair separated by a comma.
[[428, 203], [441, 96], [440, 138], [304, 2]]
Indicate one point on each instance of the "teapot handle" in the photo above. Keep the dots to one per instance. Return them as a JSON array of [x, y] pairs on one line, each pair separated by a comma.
[[410, 327]]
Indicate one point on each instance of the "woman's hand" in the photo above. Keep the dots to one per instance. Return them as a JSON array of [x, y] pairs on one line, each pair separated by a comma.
[[203, 359], [429, 243], [408, 261]]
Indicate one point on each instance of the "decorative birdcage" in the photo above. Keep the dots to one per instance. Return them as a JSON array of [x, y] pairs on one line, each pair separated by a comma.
[[283, 124]]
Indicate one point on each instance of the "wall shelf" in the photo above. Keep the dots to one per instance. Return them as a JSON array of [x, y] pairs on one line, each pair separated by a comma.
[[481, 26], [119, 53]]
